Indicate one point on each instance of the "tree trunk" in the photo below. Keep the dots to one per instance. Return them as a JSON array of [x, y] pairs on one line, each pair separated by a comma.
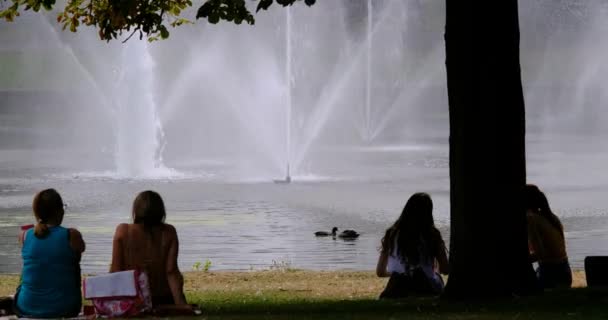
[[488, 247]]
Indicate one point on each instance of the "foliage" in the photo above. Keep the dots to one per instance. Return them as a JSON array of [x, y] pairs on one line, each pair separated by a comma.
[[207, 265], [198, 266], [231, 10], [149, 18]]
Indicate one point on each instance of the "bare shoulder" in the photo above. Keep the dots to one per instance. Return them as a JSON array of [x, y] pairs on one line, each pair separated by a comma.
[[170, 230], [121, 231]]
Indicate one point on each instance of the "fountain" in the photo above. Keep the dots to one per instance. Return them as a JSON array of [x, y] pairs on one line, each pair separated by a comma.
[[563, 66], [309, 94], [253, 103], [127, 97], [140, 135], [368, 75], [358, 63], [354, 109], [288, 80]]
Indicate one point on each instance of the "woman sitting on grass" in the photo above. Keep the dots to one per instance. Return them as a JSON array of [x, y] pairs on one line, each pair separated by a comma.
[[50, 280], [546, 241], [413, 251], [151, 245]]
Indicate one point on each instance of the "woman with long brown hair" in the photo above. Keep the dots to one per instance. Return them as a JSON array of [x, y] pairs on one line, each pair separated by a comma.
[[413, 251], [50, 279], [546, 240], [151, 245]]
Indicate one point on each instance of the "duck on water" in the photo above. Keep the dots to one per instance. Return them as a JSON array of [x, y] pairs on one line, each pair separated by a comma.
[[346, 234], [333, 232]]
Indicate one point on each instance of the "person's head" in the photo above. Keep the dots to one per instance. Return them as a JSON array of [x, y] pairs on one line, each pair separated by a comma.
[[48, 210], [534, 199], [149, 209], [417, 213], [536, 202], [414, 226]]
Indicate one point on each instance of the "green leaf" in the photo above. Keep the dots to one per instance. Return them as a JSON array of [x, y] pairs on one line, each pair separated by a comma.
[[204, 11], [48, 4], [164, 33], [285, 3], [264, 5]]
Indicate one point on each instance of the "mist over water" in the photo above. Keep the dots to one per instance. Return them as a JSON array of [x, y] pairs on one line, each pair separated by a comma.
[[352, 94]]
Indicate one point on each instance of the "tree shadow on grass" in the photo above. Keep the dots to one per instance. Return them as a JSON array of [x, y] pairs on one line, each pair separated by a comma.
[[556, 304]]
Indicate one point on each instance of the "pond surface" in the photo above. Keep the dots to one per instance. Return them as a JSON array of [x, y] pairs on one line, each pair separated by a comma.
[[254, 224]]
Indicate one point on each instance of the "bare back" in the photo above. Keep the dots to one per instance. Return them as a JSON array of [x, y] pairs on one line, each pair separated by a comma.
[[153, 250]]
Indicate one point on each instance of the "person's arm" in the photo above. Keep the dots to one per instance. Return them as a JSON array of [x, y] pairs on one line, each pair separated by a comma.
[[174, 276], [533, 255], [381, 266], [441, 253], [535, 243], [24, 229], [21, 237], [118, 263], [76, 242], [442, 260]]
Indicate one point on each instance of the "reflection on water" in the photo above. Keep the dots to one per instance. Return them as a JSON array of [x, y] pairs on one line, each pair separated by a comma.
[[245, 225]]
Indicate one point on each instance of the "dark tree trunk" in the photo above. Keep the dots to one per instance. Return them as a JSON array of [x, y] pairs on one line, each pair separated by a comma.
[[488, 247]]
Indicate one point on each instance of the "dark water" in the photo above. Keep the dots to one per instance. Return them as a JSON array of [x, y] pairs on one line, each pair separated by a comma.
[[253, 224]]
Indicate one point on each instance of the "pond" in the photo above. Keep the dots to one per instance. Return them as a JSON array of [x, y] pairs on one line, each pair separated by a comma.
[[254, 224]]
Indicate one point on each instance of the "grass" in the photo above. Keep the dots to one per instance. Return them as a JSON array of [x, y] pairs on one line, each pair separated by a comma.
[[285, 293]]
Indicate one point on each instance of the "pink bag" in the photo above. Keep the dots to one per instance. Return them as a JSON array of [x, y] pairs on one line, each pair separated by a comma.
[[119, 294]]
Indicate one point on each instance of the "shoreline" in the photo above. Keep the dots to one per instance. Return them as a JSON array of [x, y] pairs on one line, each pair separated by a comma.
[[329, 284]]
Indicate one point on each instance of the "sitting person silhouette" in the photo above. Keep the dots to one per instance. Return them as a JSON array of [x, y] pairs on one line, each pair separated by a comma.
[[50, 279], [413, 251], [151, 245], [546, 241]]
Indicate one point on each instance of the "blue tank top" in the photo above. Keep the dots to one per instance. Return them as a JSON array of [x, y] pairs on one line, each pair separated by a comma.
[[50, 279]]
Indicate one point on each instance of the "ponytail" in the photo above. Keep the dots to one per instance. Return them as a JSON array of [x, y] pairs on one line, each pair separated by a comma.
[[48, 207], [41, 230], [537, 201]]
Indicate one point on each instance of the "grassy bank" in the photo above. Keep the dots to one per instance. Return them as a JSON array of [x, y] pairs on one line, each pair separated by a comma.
[[282, 294]]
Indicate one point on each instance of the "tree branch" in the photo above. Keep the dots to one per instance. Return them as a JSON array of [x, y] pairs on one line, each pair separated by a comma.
[[129, 37]]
